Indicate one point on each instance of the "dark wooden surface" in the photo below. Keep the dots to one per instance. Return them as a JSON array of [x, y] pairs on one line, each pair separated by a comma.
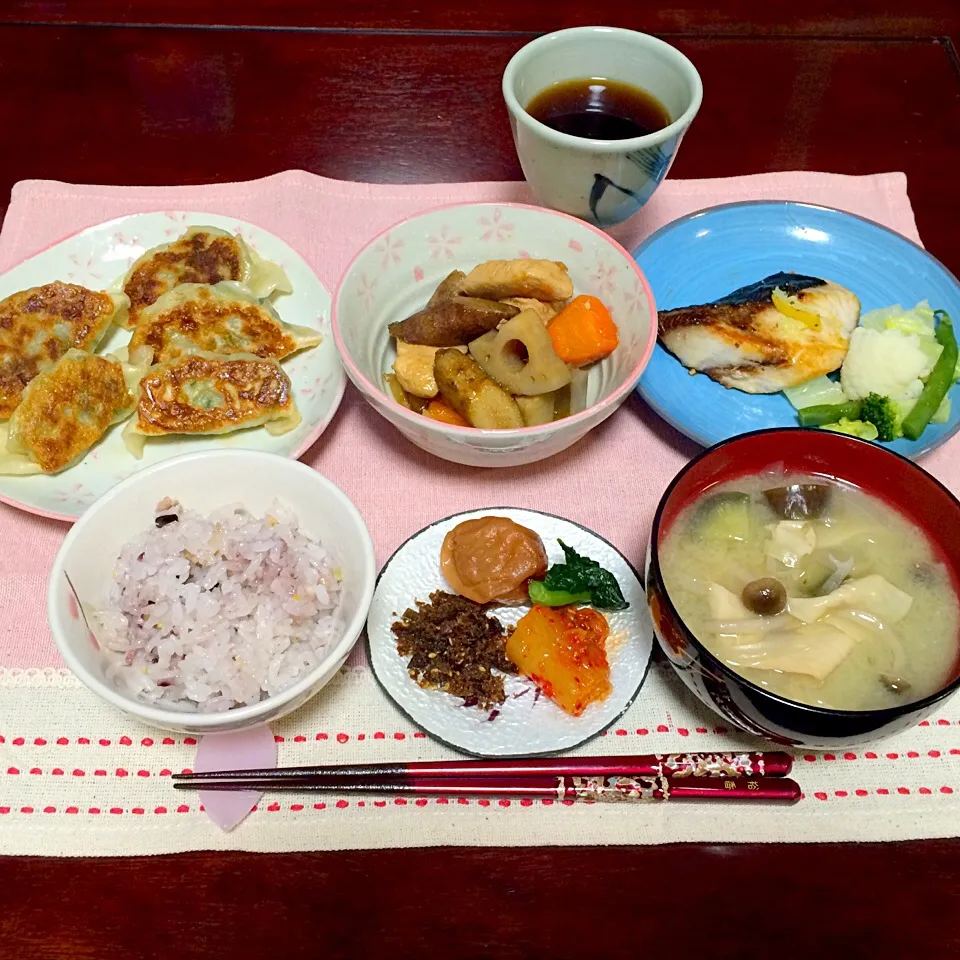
[[415, 97], [838, 903], [872, 18], [135, 105]]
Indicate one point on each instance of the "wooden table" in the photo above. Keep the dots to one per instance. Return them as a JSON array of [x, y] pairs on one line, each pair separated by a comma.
[[407, 91]]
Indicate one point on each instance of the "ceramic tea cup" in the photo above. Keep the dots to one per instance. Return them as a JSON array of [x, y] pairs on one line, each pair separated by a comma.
[[601, 181]]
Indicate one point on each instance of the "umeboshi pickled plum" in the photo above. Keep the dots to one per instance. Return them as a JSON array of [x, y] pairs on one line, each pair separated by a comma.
[[492, 558]]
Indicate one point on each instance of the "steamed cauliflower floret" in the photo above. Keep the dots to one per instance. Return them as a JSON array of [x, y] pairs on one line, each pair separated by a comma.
[[888, 362]]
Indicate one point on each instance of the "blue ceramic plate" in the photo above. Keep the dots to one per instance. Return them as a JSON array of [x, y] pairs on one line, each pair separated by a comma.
[[705, 255]]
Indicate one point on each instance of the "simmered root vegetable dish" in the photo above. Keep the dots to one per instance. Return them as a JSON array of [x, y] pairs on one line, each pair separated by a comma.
[[501, 347], [815, 591]]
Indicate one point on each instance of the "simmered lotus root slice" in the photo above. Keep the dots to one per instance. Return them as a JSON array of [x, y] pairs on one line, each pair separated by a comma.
[[499, 279], [520, 357], [492, 558]]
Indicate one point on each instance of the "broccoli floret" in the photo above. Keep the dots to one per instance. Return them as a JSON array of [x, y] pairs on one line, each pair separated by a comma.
[[855, 428], [883, 413]]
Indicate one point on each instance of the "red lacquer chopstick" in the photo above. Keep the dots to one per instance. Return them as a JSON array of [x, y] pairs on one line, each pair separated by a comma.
[[603, 789], [774, 764]]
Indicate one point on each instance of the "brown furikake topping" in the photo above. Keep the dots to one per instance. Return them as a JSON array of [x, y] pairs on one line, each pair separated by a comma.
[[455, 646]]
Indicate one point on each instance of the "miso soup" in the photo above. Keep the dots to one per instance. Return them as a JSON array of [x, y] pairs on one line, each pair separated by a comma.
[[814, 590]]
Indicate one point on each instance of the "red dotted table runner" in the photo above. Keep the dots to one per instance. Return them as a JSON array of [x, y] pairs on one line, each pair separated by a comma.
[[78, 778]]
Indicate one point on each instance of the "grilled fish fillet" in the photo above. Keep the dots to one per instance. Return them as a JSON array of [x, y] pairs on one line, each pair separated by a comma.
[[744, 341]]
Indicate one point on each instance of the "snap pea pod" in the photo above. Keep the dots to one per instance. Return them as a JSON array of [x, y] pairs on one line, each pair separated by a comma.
[[938, 383], [823, 413]]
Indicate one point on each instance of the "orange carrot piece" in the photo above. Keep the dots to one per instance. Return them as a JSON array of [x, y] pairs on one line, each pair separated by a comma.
[[441, 411], [583, 332]]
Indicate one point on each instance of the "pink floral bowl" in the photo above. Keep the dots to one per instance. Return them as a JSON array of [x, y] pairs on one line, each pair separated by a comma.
[[394, 275]]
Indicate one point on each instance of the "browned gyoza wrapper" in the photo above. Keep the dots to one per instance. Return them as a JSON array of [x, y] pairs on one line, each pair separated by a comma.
[[210, 394], [65, 411], [223, 318], [202, 255], [38, 326]]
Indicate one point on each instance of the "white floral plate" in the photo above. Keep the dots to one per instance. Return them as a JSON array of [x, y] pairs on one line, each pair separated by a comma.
[[97, 257], [526, 724]]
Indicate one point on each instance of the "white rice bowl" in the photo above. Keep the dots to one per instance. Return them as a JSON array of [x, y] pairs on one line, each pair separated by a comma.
[[211, 612], [82, 588]]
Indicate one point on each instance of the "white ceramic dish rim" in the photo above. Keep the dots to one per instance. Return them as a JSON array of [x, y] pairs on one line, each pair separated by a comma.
[[160, 717], [604, 146], [498, 756], [296, 454], [610, 402]]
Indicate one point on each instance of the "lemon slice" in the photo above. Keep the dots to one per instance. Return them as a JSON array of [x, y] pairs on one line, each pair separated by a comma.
[[790, 306]]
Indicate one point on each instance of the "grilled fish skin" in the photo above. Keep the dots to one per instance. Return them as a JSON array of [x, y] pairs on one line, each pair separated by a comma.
[[743, 341]]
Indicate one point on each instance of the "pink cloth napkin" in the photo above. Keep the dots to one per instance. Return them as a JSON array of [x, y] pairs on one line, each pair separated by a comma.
[[609, 482]]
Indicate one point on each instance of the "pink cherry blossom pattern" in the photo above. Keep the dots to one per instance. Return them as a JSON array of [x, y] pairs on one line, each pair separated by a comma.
[[418, 274], [576, 245], [367, 290], [180, 221], [605, 278], [443, 246], [525, 254], [389, 249], [126, 246], [495, 227], [636, 300], [86, 267], [75, 493]]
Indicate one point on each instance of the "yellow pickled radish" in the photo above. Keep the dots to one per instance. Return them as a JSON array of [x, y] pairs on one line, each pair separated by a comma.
[[790, 306]]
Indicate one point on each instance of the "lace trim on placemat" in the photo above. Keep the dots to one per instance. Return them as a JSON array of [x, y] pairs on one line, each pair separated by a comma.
[[38, 677]]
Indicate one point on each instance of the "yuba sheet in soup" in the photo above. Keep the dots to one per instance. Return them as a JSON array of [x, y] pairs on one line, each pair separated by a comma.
[[815, 591]]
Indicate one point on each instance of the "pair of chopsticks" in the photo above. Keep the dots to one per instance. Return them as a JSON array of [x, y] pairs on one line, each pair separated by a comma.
[[675, 776]]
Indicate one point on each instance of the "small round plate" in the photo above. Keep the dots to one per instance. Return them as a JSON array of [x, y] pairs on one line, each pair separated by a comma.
[[705, 255], [97, 258], [526, 724]]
